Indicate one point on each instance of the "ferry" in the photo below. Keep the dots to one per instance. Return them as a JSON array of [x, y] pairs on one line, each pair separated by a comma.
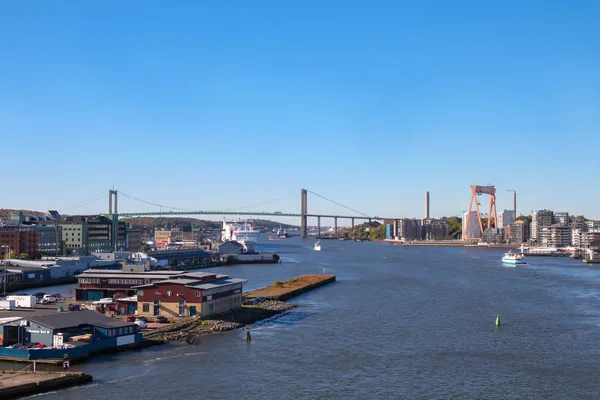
[[240, 231], [318, 245], [513, 258]]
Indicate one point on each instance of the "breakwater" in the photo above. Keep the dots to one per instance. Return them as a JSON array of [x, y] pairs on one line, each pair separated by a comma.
[[15, 384], [282, 291]]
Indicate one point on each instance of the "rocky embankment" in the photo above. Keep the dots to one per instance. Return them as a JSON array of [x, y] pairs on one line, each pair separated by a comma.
[[192, 329]]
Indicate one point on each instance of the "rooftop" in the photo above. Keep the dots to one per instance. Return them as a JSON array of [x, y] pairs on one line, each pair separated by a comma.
[[53, 319]]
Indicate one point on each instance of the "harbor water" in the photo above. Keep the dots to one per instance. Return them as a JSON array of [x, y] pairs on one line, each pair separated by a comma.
[[400, 322]]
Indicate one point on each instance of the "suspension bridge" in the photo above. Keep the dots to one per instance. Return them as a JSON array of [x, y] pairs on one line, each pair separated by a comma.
[[304, 215]]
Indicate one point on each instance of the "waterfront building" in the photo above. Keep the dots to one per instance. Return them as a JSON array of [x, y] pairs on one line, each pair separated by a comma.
[[433, 229], [191, 294], [556, 235], [519, 232], [473, 230], [505, 218], [540, 219], [493, 235], [561, 218], [585, 239], [76, 334], [408, 229], [95, 284]]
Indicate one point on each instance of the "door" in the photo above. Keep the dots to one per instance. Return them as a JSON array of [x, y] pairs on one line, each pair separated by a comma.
[[156, 307], [182, 308], [192, 311]]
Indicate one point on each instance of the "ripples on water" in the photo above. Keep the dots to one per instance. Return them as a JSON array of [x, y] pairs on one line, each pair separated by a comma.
[[400, 322]]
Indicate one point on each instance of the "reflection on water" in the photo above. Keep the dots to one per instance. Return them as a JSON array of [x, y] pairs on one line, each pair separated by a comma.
[[400, 322]]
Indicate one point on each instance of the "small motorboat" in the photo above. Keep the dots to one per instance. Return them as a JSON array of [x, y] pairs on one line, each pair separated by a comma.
[[271, 238], [318, 245], [513, 258]]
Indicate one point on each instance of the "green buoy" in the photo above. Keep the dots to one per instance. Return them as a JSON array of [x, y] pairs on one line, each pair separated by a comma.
[[497, 319]]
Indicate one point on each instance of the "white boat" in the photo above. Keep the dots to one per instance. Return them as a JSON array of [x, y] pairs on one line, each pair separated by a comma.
[[513, 258], [240, 231], [318, 245]]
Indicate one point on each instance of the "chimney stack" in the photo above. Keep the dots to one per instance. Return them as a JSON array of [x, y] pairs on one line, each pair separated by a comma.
[[426, 205]]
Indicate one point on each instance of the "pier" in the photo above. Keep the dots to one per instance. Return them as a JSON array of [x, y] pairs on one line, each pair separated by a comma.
[[15, 384], [282, 291]]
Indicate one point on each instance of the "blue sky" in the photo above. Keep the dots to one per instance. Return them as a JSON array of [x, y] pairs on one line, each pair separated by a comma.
[[221, 105]]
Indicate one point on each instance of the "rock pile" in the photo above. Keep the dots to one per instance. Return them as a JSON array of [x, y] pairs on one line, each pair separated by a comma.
[[220, 326], [275, 305]]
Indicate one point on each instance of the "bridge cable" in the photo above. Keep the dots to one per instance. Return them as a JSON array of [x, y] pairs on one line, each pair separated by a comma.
[[260, 204], [339, 204], [86, 202], [149, 202]]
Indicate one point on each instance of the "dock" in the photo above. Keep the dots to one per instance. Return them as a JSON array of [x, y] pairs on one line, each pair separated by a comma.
[[15, 384], [282, 291]]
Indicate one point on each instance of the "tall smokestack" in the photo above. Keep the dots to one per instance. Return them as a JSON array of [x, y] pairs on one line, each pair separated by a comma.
[[515, 203], [426, 205]]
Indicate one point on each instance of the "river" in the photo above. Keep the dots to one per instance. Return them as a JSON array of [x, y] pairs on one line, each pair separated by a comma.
[[400, 322]]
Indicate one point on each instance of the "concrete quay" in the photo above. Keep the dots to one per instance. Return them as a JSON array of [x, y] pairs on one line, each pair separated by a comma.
[[14, 384]]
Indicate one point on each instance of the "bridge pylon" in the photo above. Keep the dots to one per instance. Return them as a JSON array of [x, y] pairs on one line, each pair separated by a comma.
[[303, 212]]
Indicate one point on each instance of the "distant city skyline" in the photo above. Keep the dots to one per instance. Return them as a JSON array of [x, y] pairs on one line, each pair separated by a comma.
[[208, 106]]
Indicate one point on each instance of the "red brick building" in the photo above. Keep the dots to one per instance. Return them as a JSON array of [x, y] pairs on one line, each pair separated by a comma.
[[192, 294], [18, 239]]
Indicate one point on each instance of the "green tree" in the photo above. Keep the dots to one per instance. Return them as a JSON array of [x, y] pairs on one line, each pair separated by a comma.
[[527, 218]]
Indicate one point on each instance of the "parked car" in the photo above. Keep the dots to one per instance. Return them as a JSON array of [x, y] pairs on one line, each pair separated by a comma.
[[48, 299], [141, 324], [130, 318], [141, 318], [161, 320], [74, 307]]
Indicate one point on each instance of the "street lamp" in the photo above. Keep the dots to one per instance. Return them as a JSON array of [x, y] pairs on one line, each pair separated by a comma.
[[4, 271]]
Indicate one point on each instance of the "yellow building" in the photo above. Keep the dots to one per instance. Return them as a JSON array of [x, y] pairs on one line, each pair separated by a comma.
[[162, 237]]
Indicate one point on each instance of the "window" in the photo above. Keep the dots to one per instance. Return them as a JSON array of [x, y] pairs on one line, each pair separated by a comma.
[[169, 293], [198, 293], [120, 331], [146, 308]]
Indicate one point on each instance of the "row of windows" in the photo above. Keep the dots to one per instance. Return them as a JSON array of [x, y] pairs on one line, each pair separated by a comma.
[[170, 293], [121, 331], [125, 281], [89, 280]]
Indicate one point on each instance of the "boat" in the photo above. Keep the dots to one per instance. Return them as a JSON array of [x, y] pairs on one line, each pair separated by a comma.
[[282, 234], [318, 245], [271, 238], [240, 231], [513, 258]]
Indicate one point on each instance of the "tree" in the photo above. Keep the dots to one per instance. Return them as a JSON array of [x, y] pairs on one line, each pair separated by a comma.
[[527, 218]]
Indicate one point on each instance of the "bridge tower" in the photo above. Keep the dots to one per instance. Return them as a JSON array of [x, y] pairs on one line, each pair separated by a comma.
[[303, 212], [110, 201], [477, 190]]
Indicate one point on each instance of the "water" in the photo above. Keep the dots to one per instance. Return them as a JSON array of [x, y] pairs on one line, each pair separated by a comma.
[[400, 322]]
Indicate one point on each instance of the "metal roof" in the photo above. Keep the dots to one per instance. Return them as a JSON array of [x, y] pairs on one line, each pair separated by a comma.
[[218, 283], [60, 320]]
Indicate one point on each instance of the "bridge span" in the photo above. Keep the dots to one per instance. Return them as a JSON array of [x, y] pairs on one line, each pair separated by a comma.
[[303, 215]]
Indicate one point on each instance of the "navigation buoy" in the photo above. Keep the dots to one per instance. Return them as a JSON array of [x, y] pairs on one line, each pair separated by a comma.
[[497, 319], [248, 337]]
